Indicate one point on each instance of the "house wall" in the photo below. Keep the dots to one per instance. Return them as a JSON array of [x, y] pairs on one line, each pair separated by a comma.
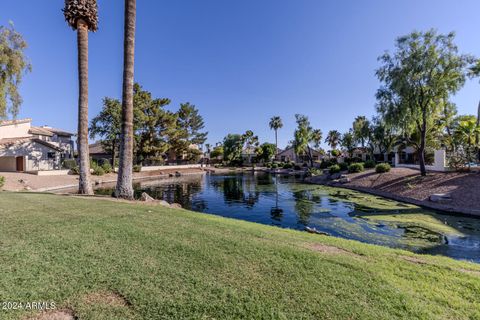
[[15, 130], [439, 163], [8, 164], [36, 156]]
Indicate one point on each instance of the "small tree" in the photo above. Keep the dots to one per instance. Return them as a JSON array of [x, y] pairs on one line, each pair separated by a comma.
[[268, 151], [425, 69], [13, 64], [348, 142], [333, 139]]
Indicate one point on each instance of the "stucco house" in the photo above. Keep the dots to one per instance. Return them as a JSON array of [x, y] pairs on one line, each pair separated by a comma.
[[26, 148], [288, 155]]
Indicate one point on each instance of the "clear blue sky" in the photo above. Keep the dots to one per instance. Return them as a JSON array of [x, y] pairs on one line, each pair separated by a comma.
[[239, 62]]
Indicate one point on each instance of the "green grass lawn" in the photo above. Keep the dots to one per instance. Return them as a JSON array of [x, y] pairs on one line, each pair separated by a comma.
[[175, 264]]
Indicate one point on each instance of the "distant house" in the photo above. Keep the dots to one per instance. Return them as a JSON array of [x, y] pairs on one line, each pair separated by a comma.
[[288, 155], [24, 147], [97, 152]]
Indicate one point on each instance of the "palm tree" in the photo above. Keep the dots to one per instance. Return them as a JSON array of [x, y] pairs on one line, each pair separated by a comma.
[[275, 124], [124, 181], [82, 15], [466, 132], [333, 139]]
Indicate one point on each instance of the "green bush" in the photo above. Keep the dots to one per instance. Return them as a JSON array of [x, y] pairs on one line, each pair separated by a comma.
[[369, 164], [107, 167], [312, 172], [75, 170], [274, 165], [69, 163], [382, 168], [297, 167], [287, 166], [137, 168], [343, 166], [334, 169], [2, 181], [98, 171], [355, 167]]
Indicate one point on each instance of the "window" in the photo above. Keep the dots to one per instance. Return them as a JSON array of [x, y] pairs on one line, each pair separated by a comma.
[[51, 155]]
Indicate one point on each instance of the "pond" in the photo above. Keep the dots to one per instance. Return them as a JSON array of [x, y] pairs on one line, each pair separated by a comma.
[[287, 202]]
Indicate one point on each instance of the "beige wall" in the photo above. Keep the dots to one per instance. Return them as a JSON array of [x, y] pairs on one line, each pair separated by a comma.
[[8, 164], [15, 131], [36, 155]]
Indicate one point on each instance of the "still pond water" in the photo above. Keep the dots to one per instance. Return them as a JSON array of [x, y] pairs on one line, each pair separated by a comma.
[[287, 202]]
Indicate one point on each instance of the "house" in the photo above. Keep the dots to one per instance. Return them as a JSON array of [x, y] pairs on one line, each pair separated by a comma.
[[24, 147], [97, 152], [288, 155]]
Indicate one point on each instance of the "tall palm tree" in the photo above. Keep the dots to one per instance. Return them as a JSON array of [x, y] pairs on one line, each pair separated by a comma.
[[82, 15], [124, 181], [333, 139], [275, 124]]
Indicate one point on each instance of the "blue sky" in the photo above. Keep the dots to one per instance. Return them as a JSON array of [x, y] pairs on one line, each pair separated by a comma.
[[239, 62]]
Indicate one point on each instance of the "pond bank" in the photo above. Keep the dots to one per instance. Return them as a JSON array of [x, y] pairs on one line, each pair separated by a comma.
[[406, 185]]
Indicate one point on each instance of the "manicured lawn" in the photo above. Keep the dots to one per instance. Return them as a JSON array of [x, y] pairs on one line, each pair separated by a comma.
[[160, 263]]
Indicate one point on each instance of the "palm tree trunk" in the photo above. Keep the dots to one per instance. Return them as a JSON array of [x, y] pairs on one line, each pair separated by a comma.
[[276, 144], [85, 185], [124, 182]]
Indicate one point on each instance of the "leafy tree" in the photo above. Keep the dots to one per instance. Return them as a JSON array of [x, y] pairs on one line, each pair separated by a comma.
[[316, 138], [425, 70], [304, 136], [465, 133], [361, 130], [268, 151], [348, 142], [189, 130], [124, 187], [83, 17], [250, 143], [276, 124], [13, 64], [217, 152], [333, 139], [107, 126], [232, 148], [383, 136], [153, 126]]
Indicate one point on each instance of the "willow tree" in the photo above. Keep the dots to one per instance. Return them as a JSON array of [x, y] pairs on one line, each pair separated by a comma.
[[425, 70], [13, 64], [124, 187], [82, 16]]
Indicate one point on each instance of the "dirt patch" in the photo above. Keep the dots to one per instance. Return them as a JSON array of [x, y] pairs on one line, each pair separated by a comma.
[[106, 298], [476, 273], [323, 248], [54, 315], [413, 260]]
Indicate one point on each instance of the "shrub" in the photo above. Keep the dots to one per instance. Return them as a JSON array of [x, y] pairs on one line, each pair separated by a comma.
[[98, 171], [314, 172], [274, 165], [343, 166], [137, 168], [369, 164], [75, 170], [2, 181], [355, 167], [297, 167], [69, 163], [287, 166], [382, 168], [334, 169], [107, 167]]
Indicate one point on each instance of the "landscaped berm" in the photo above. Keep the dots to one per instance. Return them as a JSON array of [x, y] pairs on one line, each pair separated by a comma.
[[104, 259]]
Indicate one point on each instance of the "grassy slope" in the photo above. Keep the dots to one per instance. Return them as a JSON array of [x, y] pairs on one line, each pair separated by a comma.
[[177, 264]]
